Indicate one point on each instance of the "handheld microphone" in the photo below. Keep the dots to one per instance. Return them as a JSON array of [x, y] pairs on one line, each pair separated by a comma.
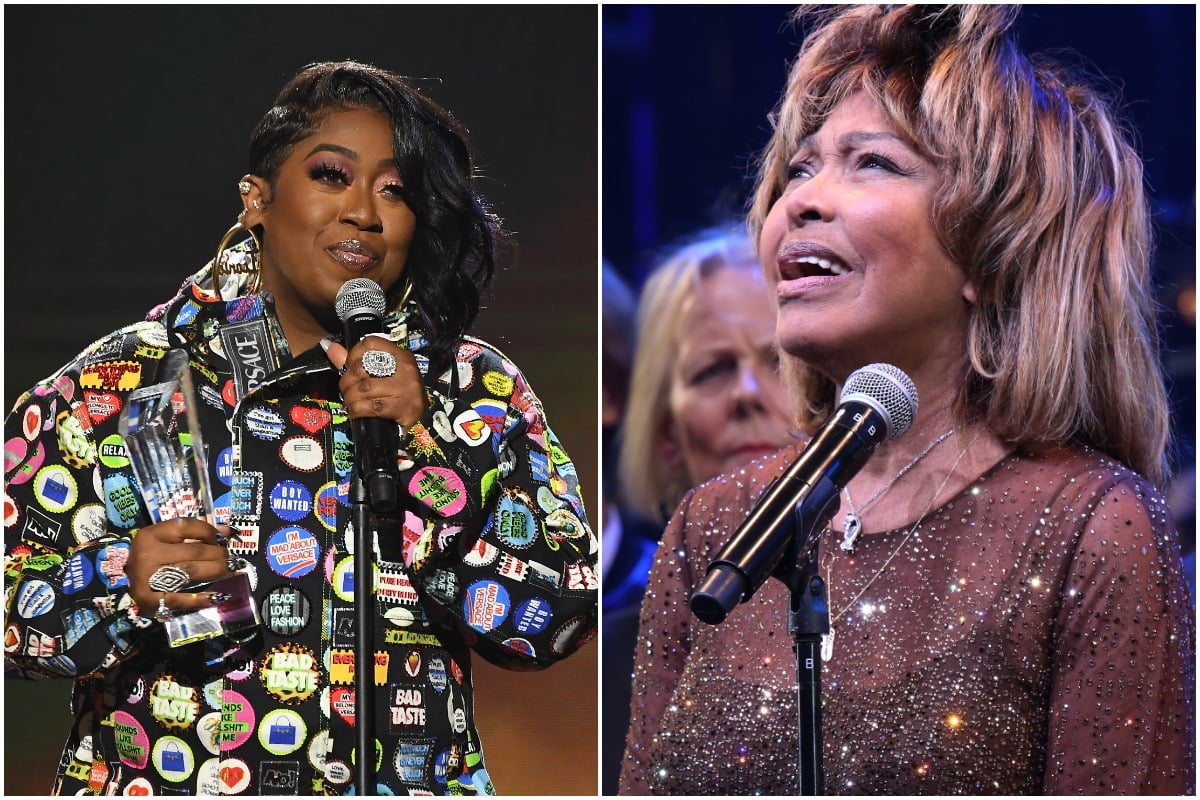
[[360, 305], [878, 402]]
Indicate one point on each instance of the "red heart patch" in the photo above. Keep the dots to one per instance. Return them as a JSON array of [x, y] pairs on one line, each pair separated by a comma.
[[231, 776], [311, 419], [342, 700], [137, 790]]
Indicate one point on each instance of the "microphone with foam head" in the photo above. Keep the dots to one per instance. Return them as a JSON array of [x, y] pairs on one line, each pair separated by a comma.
[[360, 305], [878, 402]]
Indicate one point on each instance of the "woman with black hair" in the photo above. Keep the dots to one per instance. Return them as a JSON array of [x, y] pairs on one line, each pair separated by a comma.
[[353, 175]]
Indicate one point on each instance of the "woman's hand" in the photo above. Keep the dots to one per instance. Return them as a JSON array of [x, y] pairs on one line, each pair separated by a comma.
[[399, 396], [188, 543]]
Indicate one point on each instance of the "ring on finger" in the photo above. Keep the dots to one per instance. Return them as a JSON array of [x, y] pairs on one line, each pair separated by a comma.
[[169, 578], [232, 563], [163, 613], [379, 363]]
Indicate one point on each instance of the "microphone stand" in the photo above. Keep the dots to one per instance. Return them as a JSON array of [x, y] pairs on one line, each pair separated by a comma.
[[364, 637], [808, 619]]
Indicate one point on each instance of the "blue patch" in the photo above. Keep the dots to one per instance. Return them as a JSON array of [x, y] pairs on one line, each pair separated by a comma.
[[485, 605], [122, 504], [110, 565], [225, 466], [78, 574], [533, 615], [343, 454], [187, 313], [293, 552], [514, 523], [539, 466], [291, 501]]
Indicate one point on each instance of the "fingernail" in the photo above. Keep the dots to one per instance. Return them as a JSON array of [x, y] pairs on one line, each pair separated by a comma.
[[325, 342], [216, 598]]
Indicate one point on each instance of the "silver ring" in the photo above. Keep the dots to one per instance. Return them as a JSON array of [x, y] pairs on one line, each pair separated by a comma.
[[379, 363], [163, 614], [169, 578]]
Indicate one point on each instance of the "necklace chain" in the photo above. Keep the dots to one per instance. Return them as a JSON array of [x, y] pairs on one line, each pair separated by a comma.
[[827, 639], [852, 524]]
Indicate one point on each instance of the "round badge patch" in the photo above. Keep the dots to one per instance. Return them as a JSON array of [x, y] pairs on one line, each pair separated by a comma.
[[440, 489], [481, 554], [123, 504], [110, 564], [173, 759], [282, 731], [87, 523], [435, 670], [19, 464], [138, 787], [302, 453], [55, 488], [286, 611], [343, 454], [237, 720], [31, 421], [234, 775], [112, 452], [485, 605], [343, 578], [290, 673], [78, 574], [264, 423], [327, 505], [133, 745], [515, 524], [208, 778], [224, 466], [208, 729], [293, 552], [174, 705], [291, 501], [34, 599], [532, 615]]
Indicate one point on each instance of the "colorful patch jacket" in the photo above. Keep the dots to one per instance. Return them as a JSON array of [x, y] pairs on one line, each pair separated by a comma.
[[492, 553]]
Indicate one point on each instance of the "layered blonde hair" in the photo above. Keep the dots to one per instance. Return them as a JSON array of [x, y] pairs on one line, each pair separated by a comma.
[[1042, 204], [651, 486]]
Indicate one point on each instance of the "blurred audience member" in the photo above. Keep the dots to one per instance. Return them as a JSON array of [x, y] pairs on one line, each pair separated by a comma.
[[705, 397]]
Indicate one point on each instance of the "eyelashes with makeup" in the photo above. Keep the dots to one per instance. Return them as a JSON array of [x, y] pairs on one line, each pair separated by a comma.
[[326, 172], [866, 160]]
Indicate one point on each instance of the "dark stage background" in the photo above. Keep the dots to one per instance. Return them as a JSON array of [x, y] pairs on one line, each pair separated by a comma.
[[686, 91], [126, 132]]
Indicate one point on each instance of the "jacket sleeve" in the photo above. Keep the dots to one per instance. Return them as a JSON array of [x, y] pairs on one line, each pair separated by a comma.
[[497, 534], [68, 524]]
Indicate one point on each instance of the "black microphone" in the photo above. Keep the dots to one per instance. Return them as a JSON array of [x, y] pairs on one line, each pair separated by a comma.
[[878, 402], [360, 305]]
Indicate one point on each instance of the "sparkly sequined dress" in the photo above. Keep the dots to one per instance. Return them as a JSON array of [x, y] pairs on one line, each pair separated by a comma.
[[1034, 635]]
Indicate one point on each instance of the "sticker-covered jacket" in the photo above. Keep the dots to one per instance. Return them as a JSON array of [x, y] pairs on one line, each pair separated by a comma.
[[491, 553]]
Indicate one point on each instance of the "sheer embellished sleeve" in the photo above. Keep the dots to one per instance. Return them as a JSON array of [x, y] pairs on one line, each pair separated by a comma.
[[1122, 693], [664, 640]]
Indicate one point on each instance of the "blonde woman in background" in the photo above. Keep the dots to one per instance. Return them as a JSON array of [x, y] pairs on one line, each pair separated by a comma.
[[705, 397]]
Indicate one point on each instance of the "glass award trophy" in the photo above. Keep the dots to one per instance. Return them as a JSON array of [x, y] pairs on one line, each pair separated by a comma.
[[166, 449]]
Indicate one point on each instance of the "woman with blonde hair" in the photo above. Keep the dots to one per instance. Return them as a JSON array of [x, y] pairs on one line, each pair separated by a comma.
[[705, 394], [1007, 609]]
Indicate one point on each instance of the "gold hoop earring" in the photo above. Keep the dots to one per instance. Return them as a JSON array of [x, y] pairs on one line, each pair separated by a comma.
[[404, 297], [241, 262]]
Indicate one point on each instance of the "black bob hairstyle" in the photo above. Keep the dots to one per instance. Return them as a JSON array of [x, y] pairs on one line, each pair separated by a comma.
[[452, 257]]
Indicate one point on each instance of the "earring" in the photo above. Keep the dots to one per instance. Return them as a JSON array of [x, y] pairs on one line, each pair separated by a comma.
[[244, 187], [404, 297], [238, 261]]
